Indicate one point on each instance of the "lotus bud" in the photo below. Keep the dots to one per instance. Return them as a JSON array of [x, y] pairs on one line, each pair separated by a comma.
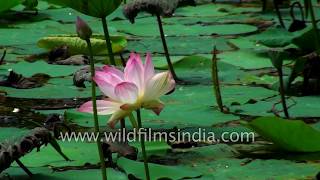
[[83, 29]]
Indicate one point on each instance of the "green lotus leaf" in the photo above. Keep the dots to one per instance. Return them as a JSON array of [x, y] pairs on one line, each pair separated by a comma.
[[8, 4], [289, 135], [95, 8]]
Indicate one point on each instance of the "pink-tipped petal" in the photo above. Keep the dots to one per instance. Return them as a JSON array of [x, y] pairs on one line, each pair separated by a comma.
[[114, 71], [155, 105], [108, 77], [133, 71], [148, 68], [159, 85], [106, 88], [127, 92], [103, 107]]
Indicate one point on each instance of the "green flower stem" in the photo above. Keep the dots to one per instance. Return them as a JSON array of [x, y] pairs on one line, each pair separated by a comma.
[[276, 6], [133, 121], [108, 41], [95, 113], [143, 147], [264, 5], [165, 47], [25, 169], [215, 80], [282, 93], [315, 28]]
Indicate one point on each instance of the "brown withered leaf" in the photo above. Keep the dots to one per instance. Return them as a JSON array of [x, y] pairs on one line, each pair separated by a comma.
[[122, 149], [82, 75], [58, 53], [18, 81], [74, 60]]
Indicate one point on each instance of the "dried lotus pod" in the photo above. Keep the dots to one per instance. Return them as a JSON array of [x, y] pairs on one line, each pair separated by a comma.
[[154, 7]]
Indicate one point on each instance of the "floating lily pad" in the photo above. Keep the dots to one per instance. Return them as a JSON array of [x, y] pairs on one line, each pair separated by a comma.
[[41, 173], [273, 37], [179, 45], [151, 29], [28, 69], [7, 135], [52, 90], [79, 152], [246, 59], [78, 46], [134, 168]]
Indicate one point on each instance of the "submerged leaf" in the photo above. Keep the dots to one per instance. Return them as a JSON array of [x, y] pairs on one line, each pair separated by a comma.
[[78, 46], [16, 80]]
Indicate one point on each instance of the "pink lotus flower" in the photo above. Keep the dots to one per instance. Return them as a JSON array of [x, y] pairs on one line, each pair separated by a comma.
[[137, 87]]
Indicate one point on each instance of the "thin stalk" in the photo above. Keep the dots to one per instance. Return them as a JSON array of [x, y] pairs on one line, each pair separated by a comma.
[[143, 147], [57, 147], [264, 5], [25, 169], [3, 56], [108, 41], [215, 80], [276, 6], [315, 28], [123, 123], [282, 94], [165, 47], [95, 113], [133, 121], [123, 61], [123, 127]]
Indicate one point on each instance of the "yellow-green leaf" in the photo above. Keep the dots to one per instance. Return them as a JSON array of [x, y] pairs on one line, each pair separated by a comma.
[[79, 46]]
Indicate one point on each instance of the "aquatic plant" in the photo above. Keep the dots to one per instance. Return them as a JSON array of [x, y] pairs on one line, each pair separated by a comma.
[[95, 8], [157, 8], [85, 32], [39, 137], [135, 88], [277, 57], [215, 80]]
